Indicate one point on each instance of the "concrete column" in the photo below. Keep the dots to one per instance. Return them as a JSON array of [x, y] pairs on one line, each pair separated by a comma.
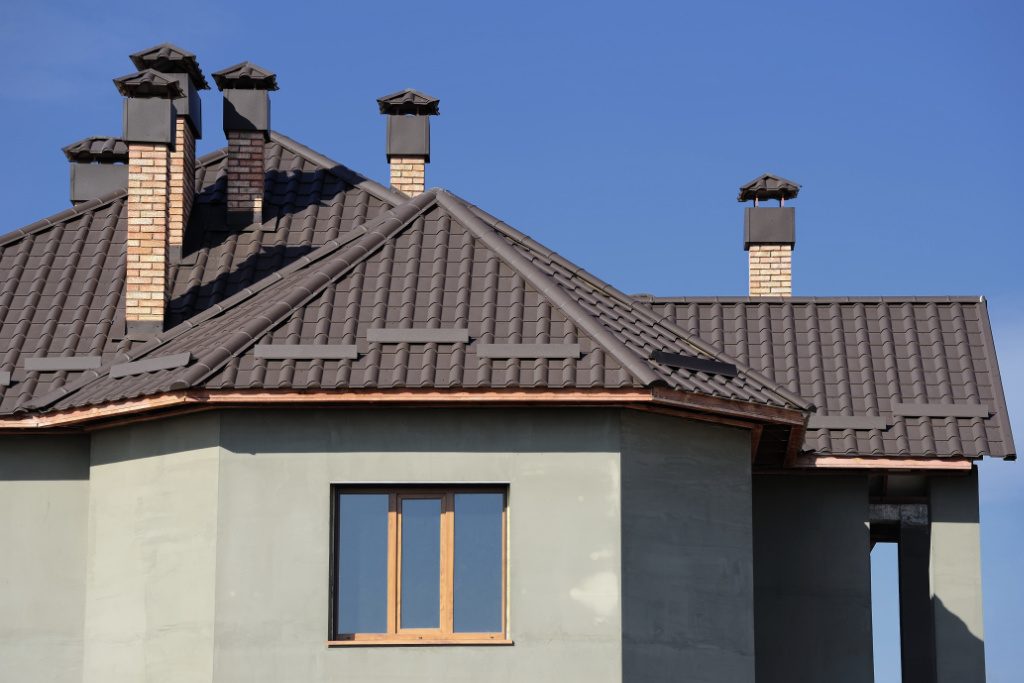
[[956, 579], [917, 633], [812, 579]]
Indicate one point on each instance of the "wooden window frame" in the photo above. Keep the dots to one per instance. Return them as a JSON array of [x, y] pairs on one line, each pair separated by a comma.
[[445, 633]]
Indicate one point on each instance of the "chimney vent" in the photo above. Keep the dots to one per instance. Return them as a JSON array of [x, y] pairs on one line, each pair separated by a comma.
[[246, 89], [99, 166], [408, 141], [181, 66], [769, 235]]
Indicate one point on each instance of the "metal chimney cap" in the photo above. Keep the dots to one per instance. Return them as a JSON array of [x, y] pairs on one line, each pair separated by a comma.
[[409, 101], [171, 59], [148, 83], [768, 186], [245, 76], [105, 150]]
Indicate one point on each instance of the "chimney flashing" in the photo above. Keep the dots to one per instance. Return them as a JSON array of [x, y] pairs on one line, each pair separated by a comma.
[[769, 225], [408, 136], [92, 180], [247, 110], [148, 120]]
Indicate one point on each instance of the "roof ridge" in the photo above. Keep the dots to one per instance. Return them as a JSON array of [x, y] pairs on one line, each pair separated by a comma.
[[696, 342], [350, 176], [631, 361], [398, 217]]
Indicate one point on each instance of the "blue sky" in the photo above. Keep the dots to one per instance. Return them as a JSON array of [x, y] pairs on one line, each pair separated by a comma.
[[618, 134]]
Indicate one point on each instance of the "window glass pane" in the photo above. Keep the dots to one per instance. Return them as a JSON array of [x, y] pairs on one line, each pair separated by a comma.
[[421, 563], [478, 556], [362, 563]]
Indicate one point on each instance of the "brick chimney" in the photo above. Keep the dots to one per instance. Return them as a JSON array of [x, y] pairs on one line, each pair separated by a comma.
[[769, 235], [149, 127], [246, 89], [408, 146], [181, 66]]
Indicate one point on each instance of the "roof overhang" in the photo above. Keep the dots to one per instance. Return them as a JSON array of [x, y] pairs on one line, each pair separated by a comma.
[[782, 452]]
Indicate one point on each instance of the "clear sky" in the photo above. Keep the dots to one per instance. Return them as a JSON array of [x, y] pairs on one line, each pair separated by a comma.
[[618, 133]]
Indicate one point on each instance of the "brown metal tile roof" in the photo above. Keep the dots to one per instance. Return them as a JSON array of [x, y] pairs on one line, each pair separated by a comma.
[[911, 376], [430, 265], [63, 277], [341, 262]]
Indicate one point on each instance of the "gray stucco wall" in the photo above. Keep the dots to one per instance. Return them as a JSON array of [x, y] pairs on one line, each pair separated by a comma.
[[273, 527], [812, 579], [44, 497], [152, 552], [688, 592], [956, 579]]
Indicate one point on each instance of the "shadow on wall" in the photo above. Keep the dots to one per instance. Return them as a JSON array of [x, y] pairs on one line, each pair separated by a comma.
[[959, 653], [304, 430], [28, 465]]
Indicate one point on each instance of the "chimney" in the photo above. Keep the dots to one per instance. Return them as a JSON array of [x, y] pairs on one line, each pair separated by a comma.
[[149, 118], [769, 235], [408, 149], [99, 166], [246, 89], [181, 66]]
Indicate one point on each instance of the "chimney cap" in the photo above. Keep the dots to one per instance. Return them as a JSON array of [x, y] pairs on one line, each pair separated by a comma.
[[409, 101], [148, 83], [106, 150], [768, 186], [171, 59], [245, 76]]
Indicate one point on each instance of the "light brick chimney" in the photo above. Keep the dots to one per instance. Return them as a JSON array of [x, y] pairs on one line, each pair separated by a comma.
[[769, 235], [179, 65], [246, 90], [408, 142], [149, 127]]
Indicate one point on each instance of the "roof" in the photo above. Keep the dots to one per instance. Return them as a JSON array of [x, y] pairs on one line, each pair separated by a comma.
[[432, 293], [906, 376], [63, 276], [245, 76], [346, 285], [168, 58], [409, 101], [101, 149], [148, 83], [768, 186]]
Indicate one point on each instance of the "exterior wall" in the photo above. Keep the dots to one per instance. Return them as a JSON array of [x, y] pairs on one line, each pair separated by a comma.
[[771, 269], [152, 534], [274, 528], [812, 579], [408, 174], [44, 497], [146, 277], [956, 579], [246, 176], [687, 560], [183, 181]]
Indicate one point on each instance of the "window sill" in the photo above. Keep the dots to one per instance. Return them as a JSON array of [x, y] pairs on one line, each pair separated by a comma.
[[391, 642]]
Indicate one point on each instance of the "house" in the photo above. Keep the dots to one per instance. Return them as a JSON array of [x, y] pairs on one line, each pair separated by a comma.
[[265, 419]]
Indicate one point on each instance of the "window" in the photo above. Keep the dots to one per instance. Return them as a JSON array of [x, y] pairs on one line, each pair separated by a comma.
[[419, 565]]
